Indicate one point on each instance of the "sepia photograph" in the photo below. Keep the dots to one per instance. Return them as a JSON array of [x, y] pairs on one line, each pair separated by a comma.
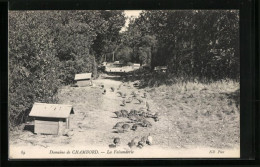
[[87, 84]]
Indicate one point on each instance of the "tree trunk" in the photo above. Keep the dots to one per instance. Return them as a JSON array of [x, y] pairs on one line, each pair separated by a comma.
[[113, 56]]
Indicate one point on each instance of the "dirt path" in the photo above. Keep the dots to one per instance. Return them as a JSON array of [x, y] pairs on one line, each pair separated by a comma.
[[98, 123]]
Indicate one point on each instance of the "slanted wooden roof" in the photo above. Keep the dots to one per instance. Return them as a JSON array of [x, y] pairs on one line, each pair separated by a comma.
[[83, 76], [163, 67], [136, 65], [51, 110]]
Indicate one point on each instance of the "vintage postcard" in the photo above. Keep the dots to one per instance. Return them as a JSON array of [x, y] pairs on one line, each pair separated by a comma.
[[124, 84]]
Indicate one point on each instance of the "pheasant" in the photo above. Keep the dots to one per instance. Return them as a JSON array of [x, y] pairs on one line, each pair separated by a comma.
[[112, 145], [123, 103], [156, 114], [133, 112], [144, 115], [112, 89], [147, 106], [132, 118], [118, 114], [120, 130], [144, 139], [124, 95], [146, 123], [156, 119], [116, 141], [139, 100], [141, 144], [118, 125], [134, 127], [125, 127], [138, 112], [133, 142], [149, 140], [144, 95], [120, 93], [124, 113], [136, 84], [133, 94], [129, 100], [68, 133]]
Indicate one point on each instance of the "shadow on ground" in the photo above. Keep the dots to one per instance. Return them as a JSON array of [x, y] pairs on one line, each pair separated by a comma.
[[29, 128]]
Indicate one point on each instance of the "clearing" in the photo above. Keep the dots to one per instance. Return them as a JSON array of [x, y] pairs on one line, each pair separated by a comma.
[[191, 117]]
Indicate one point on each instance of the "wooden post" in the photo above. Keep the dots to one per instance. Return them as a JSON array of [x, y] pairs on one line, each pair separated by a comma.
[[67, 123], [34, 125]]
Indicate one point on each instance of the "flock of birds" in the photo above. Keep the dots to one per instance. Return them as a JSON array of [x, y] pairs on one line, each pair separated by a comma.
[[137, 118], [138, 142]]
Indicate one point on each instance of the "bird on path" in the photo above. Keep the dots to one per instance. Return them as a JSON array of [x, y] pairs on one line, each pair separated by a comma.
[[112, 89], [129, 100], [132, 112], [156, 114], [132, 118], [116, 141], [144, 115], [133, 94], [118, 114], [133, 142], [156, 119], [149, 140], [144, 96], [118, 125], [120, 93], [139, 100], [134, 127], [147, 106], [120, 130], [136, 83], [124, 95], [146, 123], [68, 133], [104, 92], [123, 103], [141, 144], [125, 127], [144, 139], [112, 145], [124, 113]]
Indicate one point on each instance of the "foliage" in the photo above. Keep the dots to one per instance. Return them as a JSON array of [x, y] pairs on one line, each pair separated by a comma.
[[124, 54], [108, 41], [32, 64], [193, 43], [47, 49]]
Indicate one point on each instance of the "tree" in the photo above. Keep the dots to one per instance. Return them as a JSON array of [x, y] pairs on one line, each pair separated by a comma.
[[47, 49], [108, 40], [192, 43]]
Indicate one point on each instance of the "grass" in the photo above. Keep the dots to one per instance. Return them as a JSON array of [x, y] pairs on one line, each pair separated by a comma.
[[203, 114]]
